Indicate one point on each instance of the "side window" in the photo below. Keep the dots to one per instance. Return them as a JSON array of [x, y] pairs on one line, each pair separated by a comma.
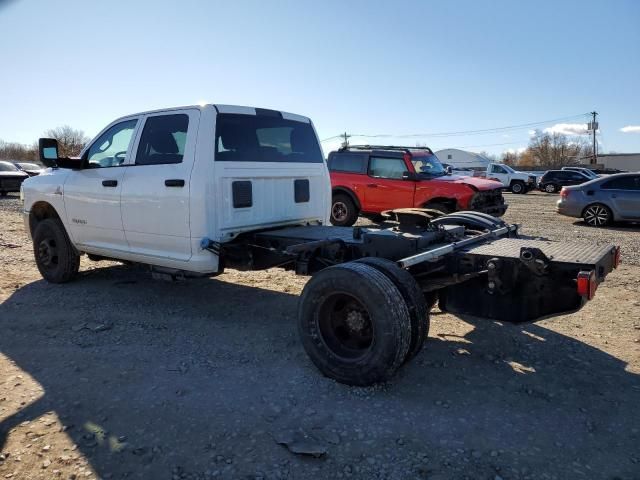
[[163, 140], [382, 167], [348, 162], [110, 149], [497, 169], [622, 183]]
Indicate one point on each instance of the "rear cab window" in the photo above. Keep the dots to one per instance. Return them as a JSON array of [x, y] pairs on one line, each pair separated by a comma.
[[265, 138]]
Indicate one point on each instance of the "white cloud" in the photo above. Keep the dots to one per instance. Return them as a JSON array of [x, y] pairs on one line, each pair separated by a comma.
[[568, 129], [533, 133], [631, 129]]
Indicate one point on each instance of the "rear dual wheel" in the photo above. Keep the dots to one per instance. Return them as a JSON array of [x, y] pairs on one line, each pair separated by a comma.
[[358, 321]]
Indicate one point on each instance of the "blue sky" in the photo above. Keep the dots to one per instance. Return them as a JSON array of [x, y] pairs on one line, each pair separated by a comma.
[[368, 67]]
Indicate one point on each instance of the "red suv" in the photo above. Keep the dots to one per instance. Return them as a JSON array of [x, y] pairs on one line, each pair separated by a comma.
[[367, 180]]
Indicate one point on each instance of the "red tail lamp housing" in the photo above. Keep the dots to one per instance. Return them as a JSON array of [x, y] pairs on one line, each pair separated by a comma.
[[587, 284]]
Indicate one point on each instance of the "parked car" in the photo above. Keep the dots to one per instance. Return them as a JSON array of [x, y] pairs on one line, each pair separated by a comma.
[[516, 182], [553, 180], [607, 171], [31, 169], [588, 172], [601, 201], [11, 177], [368, 180]]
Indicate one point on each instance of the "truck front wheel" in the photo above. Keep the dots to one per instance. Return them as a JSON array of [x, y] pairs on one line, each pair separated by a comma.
[[56, 259], [518, 187], [344, 212], [354, 324]]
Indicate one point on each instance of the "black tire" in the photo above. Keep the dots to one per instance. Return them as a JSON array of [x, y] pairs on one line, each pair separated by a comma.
[[354, 324], [57, 260], [550, 188], [597, 215], [344, 212], [518, 188], [413, 298], [440, 207]]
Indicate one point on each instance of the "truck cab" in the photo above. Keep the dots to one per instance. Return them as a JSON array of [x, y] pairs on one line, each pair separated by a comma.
[[516, 182], [150, 186]]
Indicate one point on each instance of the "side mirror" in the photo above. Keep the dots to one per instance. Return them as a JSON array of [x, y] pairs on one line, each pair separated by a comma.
[[48, 151], [449, 170], [409, 176]]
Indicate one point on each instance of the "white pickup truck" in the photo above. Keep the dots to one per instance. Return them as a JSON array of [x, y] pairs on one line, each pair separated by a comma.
[[190, 191], [516, 182]]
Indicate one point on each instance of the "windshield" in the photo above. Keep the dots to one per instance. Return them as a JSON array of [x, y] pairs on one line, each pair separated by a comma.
[[428, 165], [8, 167]]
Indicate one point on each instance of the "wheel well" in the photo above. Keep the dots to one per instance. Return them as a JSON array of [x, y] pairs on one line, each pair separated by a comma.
[[516, 180], [452, 203], [349, 193], [39, 212]]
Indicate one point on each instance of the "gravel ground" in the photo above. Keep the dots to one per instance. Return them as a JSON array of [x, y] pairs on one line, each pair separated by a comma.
[[119, 376]]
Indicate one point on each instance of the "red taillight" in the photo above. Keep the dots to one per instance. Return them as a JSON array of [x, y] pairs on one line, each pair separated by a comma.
[[616, 257], [564, 193], [587, 284]]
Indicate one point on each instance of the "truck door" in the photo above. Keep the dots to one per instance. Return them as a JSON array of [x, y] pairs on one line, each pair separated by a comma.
[[156, 187], [386, 189], [269, 170], [92, 195], [499, 173]]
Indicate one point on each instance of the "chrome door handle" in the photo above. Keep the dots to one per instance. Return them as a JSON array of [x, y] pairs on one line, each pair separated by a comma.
[[109, 183]]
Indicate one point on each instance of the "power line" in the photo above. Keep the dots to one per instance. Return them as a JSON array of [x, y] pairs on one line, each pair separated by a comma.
[[489, 145], [465, 132]]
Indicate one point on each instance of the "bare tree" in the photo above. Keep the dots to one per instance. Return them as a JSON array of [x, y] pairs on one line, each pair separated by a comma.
[[17, 152], [555, 150], [70, 141], [510, 158]]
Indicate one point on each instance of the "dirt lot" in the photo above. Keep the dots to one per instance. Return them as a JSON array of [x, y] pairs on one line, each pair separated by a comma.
[[119, 376]]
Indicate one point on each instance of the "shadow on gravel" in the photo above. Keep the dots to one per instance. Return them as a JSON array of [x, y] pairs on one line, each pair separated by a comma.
[[154, 380], [615, 227]]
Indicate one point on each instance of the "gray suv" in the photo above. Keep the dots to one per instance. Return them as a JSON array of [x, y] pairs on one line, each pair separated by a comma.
[[603, 200]]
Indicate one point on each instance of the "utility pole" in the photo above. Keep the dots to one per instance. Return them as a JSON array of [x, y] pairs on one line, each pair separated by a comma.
[[593, 126], [345, 143]]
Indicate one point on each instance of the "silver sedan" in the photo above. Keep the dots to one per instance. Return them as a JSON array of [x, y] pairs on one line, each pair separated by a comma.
[[604, 200]]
